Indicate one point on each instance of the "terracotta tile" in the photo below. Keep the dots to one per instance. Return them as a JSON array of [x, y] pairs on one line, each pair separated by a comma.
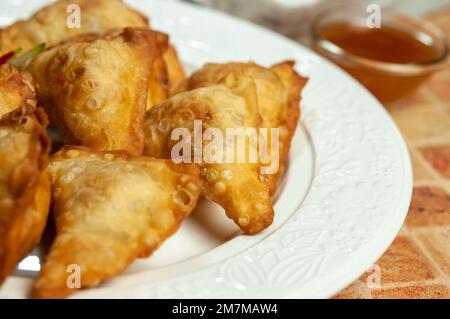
[[421, 122], [440, 82], [419, 171], [413, 292], [351, 292], [441, 19], [420, 97], [430, 206], [438, 157], [403, 231], [403, 262], [439, 85], [437, 242]]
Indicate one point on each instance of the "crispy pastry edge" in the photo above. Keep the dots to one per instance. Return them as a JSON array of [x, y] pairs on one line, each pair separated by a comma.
[[34, 196]]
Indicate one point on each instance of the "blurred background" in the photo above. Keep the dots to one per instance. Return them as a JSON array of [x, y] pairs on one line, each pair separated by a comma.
[[293, 17]]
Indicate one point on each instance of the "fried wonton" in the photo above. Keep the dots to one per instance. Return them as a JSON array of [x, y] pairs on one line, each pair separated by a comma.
[[111, 208], [175, 70], [24, 184], [52, 24], [238, 186], [95, 92], [159, 82], [16, 89], [278, 90], [167, 71]]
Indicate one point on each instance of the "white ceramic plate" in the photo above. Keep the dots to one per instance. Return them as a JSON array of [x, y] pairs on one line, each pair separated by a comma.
[[343, 199]]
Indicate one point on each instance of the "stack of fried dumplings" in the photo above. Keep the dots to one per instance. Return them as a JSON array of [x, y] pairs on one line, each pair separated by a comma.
[[115, 90]]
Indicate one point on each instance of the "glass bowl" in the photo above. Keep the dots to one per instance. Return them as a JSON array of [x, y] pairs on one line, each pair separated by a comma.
[[387, 81]]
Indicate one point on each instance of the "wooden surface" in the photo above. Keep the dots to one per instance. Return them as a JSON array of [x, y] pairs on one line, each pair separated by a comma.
[[417, 265]]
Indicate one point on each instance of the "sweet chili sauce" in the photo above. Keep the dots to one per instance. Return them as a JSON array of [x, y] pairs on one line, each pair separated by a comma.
[[386, 44]]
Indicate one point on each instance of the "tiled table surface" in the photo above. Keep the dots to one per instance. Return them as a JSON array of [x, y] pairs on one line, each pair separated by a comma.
[[417, 265]]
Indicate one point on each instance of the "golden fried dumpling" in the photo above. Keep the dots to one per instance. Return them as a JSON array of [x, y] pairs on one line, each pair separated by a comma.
[[50, 24], [159, 83], [16, 89], [287, 121], [237, 186], [95, 92], [111, 208], [167, 72], [278, 90], [24, 184], [175, 70]]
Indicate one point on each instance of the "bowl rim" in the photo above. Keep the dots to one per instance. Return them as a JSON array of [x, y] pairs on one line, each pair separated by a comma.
[[400, 69]]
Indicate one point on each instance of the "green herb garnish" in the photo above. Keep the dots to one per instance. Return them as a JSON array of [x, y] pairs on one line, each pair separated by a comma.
[[21, 60]]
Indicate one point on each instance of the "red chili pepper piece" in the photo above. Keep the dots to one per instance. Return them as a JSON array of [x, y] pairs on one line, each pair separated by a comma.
[[6, 57]]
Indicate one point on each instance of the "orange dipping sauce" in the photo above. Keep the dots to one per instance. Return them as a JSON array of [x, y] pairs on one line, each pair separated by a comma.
[[383, 44], [390, 61]]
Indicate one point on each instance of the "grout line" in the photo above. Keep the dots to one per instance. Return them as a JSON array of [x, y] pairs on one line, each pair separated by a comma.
[[429, 142], [426, 253], [440, 180], [437, 228], [353, 288], [358, 287], [447, 281], [425, 182], [442, 183], [441, 280], [429, 94], [414, 154], [364, 290]]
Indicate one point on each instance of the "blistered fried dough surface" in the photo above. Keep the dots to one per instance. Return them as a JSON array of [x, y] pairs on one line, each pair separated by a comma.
[[96, 91], [49, 25], [159, 82], [294, 85], [238, 187], [16, 89], [111, 208], [278, 91], [24, 184]]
